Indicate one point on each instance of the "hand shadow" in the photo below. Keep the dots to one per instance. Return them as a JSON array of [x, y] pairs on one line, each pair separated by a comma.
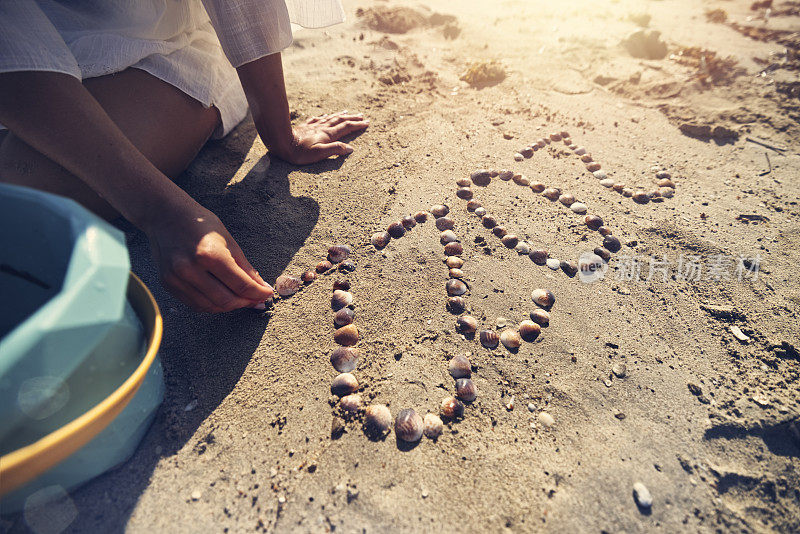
[[204, 356]]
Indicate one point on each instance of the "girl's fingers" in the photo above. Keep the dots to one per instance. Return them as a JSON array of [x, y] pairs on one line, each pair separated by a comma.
[[347, 117], [216, 291], [326, 150], [346, 127]]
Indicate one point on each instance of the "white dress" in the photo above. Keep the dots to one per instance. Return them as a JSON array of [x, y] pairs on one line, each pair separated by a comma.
[[191, 44]]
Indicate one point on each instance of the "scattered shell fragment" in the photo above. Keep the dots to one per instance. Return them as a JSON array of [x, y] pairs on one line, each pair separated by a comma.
[[409, 222], [578, 207], [467, 324], [456, 273], [340, 299], [459, 367], [642, 495], [451, 408], [351, 403], [593, 222], [456, 304], [464, 193], [553, 263], [641, 197], [455, 287], [510, 339], [619, 369], [286, 286], [539, 256], [432, 426], [396, 230], [472, 205], [345, 359], [489, 338], [529, 330], [523, 248], [454, 262], [481, 177], [541, 317], [324, 266], [377, 420], [338, 253], [344, 384], [546, 420], [346, 336], [453, 249], [738, 334], [448, 236], [607, 182], [344, 317], [421, 216], [510, 240], [408, 426], [612, 243], [466, 390], [543, 297], [568, 199], [488, 221], [308, 276]]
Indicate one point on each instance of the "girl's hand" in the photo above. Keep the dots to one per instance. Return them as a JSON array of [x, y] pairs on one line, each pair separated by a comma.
[[201, 264], [318, 138]]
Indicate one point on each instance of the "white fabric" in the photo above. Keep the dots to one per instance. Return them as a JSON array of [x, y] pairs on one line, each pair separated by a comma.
[[183, 42]]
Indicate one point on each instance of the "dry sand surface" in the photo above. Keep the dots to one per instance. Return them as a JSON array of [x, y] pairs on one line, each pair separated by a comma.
[[708, 423]]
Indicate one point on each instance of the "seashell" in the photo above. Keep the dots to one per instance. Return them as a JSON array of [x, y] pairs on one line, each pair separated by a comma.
[[618, 187], [568, 199], [505, 175], [464, 193], [546, 420], [564, 134], [421, 216], [551, 193], [344, 317], [323, 266], [518, 156], [342, 284], [542, 142], [347, 266], [396, 229], [380, 239], [526, 152], [451, 408], [459, 367], [593, 167], [510, 240], [489, 338], [600, 175], [604, 231], [463, 182], [523, 248], [488, 221], [456, 304], [480, 212], [345, 359], [472, 205], [499, 231], [510, 339], [444, 223], [409, 222], [666, 182], [466, 324], [344, 384], [521, 179], [641, 197], [555, 137], [453, 249], [456, 273], [448, 236], [408, 426], [286, 286], [340, 299], [642, 496], [529, 330], [454, 262], [593, 221], [466, 390], [627, 192], [667, 192], [607, 182], [481, 177], [611, 243], [578, 207], [570, 268], [338, 253], [502, 322], [604, 253], [553, 263], [537, 187], [540, 317], [543, 297], [377, 420], [538, 256], [439, 210], [351, 403], [455, 287], [580, 151], [655, 193], [308, 277], [346, 336], [493, 173], [586, 158], [432, 426], [663, 175]]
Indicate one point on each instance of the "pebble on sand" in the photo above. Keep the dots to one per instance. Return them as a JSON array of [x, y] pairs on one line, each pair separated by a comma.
[[642, 495]]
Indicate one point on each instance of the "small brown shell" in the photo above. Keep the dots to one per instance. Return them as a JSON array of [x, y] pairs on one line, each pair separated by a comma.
[[472, 205], [377, 420], [466, 390], [555, 137], [448, 236], [663, 175], [453, 249], [627, 192], [340, 299], [481, 177], [380, 239], [346, 336], [618, 187], [408, 426], [604, 253], [467, 324], [459, 367], [666, 182], [344, 384], [455, 287], [456, 304], [345, 359], [543, 297], [456, 273], [454, 262], [286, 286], [432, 426], [308, 276], [347, 266], [564, 134], [351, 403], [452, 408], [551, 193], [396, 229], [324, 266], [444, 223], [344, 317], [439, 210], [521, 179], [510, 339], [338, 253], [488, 221], [541, 317], [510, 240], [529, 330], [586, 158], [463, 182], [604, 231], [667, 192], [537, 187], [593, 167], [539, 256], [464, 193], [568, 199], [342, 284], [489, 338], [421, 216], [409, 222], [570, 268], [505, 175], [593, 221], [612, 243], [526, 152], [641, 197]]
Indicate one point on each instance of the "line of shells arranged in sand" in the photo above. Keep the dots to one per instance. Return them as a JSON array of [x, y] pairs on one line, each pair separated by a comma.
[[540, 256], [665, 186]]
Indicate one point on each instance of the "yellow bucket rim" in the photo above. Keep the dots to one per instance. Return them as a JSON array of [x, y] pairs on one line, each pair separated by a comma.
[[25, 464]]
